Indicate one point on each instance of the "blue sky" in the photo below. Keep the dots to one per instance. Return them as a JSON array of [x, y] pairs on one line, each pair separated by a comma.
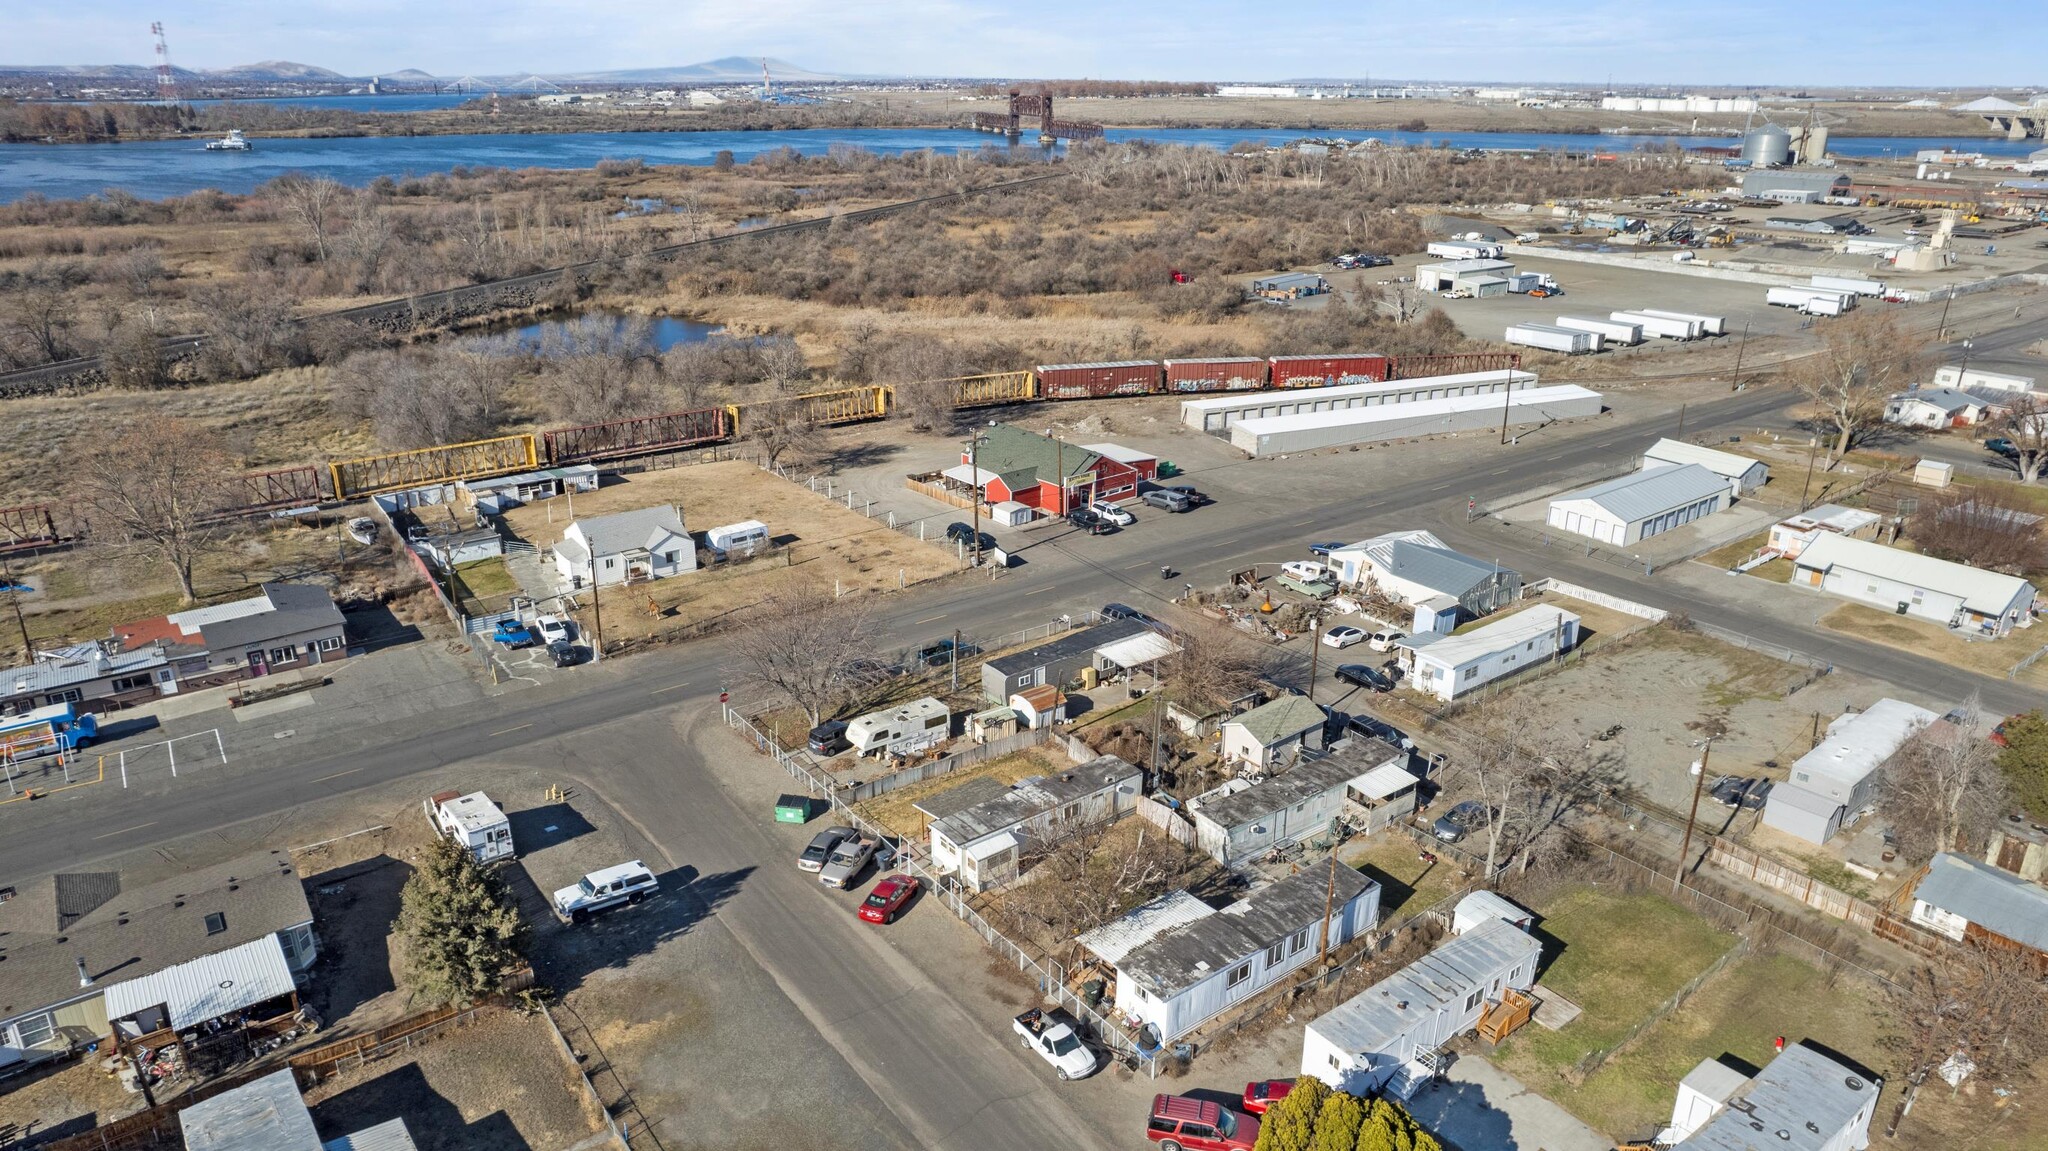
[[1875, 42]]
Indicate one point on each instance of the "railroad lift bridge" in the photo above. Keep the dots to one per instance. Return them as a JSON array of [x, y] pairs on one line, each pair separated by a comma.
[[1039, 106]]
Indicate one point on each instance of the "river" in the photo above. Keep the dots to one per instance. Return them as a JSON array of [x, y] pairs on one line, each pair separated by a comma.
[[156, 169]]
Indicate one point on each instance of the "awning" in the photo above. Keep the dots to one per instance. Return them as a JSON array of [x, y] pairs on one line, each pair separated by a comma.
[[208, 987], [989, 848], [969, 474], [1385, 780], [1137, 650]]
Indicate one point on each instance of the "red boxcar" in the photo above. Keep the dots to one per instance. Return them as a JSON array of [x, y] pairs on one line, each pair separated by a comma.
[[1085, 381], [1327, 371], [1220, 374]]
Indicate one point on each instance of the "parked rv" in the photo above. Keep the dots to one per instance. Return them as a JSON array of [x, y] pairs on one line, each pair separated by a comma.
[[473, 821], [904, 730]]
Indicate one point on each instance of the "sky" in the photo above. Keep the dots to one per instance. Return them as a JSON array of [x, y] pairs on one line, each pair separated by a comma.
[[1889, 43]]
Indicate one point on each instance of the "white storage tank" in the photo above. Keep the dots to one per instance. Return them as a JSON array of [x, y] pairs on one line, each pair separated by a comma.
[[1769, 144]]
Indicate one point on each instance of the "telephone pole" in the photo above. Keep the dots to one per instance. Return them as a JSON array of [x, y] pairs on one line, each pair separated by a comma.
[[1329, 908], [1699, 780]]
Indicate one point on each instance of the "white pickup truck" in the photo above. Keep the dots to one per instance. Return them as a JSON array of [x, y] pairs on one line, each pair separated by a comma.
[[1056, 1042]]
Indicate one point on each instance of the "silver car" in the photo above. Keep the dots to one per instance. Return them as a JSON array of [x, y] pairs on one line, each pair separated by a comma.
[[851, 858], [822, 845]]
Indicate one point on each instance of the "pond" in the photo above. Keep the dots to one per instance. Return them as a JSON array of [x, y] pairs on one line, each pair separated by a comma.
[[665, 331]]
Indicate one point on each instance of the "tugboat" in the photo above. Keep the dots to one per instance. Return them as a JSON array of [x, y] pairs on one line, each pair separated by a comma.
[[234, 141]]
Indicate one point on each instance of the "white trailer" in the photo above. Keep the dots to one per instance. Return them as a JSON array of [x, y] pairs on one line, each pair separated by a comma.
[[1709, 325], [1465, 249], [744, 537], [1858, 285], [1803, 299], [1825, 306], [1550, 337], [905, 730], [1663, 326], [1523, 282], [1610, 331], [473, 821]]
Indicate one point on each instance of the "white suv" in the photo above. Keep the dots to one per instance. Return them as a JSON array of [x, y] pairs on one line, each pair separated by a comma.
[[625, 883], [551, 628]]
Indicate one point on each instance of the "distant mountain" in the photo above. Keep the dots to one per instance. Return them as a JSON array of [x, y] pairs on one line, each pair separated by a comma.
[[725, 70], [268, 70], [275, 70], [408, 76]]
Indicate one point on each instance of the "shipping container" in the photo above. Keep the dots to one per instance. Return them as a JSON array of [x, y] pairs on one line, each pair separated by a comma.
[[1611, 331], [1550, 337], [1663, 326], [1110, 378], [1327, 371], [1854, 284], [1709, 325], [1222, 374]]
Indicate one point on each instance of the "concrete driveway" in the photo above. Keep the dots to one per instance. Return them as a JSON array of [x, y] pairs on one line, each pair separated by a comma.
[[1479, 1107]]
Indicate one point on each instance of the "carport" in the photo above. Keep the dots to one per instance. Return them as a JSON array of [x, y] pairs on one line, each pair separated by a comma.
[[174, 1013], [1139, 651]]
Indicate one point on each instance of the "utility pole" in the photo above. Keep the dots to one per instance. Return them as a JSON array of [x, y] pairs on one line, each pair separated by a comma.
[[974, 499], [1507, 400], [1681, 423], [28, 649], [1329, 908], [1941, 329], [1739, 348], [954, 651], [1158, 709], [596, 611], [1699, 780], [1059, 458], [1315, 645], [1812, 450]]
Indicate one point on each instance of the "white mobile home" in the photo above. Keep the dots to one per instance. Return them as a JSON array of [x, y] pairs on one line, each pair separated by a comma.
[[1971, 901], [1804, 1100], [1387, 1036], [1271, 735], [1790, 536], [1448, 666], [1744, 475], [473, 821], [1954, 595], [983, 841], [1830, 786], [1183, 964], [1635, 507], [1239, 820], [904, 730], [1935, 408]]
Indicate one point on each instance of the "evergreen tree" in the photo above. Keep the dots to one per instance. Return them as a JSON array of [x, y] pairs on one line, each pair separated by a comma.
[[1290, 1124], [457, 927], [1338, 1123]]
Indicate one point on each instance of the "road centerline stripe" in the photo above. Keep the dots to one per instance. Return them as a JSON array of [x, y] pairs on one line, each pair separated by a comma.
[[510, 730], [126, 830], [336, 775]]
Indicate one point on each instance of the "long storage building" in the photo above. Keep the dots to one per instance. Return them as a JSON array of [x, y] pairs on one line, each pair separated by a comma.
[[1635, 507], [1217, 414], [1307, 431]]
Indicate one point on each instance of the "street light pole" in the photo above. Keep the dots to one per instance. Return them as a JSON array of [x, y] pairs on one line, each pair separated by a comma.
[[1699, 780]]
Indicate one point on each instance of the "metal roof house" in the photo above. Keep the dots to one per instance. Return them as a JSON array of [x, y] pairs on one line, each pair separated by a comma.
[[1830, 786], [1803, 1100], [1056, 663], [287, 626], [1011, 464], [1415, 567], [1448, 666], [1271, 735], [269, 1114], [1239, 820], [1934, 408], [89, 677], [1744, 475], [984, 841], [1967, 900], [1791, 535], [1953, 595], [1180, 964], [643, 544], [1635, 507], [79, 949], [1387, 1036]]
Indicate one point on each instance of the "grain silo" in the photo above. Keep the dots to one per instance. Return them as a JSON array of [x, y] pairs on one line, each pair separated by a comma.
[[1769, 144]]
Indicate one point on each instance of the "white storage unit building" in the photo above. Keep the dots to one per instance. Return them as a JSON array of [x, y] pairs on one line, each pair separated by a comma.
[[1387, 1036], [1216, 414], [1626, 332], [1447, 666], [1459, 273], [1631, 509], [1744, 475], [1309, 431], [1830, 786], [1553, 338], [1953, 595]]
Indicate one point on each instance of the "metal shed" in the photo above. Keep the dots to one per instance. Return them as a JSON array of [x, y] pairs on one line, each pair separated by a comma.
[[265, 1114], [205, 988]]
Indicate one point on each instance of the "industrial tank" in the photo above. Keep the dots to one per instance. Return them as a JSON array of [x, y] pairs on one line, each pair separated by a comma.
[[1769, 144]]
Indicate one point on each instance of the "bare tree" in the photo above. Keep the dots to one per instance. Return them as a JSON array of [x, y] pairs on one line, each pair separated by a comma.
[[1974, 1000], [38, 314], [1098, 873], [250, 327], [2025, 423], [1525, 772], [307, 201], [132, 357], [1214, 666], [1863, 359], [783, 428], [158, 485], [418, 398], [1943, 790], [1986, 526], [809, 648]]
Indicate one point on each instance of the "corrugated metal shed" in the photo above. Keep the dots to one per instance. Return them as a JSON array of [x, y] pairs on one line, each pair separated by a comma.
[[1138, 650], [265, 1114], [389, 1135], [208, 987], [1376, 1019], [1995, 900]]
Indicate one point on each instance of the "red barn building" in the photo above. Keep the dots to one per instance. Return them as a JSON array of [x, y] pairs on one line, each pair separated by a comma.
[[1026, 467]]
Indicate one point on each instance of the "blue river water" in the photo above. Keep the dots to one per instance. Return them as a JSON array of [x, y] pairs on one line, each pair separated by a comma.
[[157, 169]]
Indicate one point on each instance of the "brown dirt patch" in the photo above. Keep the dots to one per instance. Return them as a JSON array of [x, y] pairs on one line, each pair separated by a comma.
[[894, 811], [1985, 657]]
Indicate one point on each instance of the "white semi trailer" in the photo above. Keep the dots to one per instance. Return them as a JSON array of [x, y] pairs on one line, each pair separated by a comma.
[[1665, 327], [1552, 338], [1609, 331]]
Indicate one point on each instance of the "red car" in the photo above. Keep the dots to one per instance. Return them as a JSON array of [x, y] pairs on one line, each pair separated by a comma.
[[1184, 1123], [1261, 1095], [888, 898]]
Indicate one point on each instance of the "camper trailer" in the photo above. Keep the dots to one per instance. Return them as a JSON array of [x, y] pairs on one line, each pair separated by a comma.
[[917, 725], [473, 821], [742, 538]]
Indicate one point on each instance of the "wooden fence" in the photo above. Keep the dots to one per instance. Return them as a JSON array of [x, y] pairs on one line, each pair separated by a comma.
[[1169, 821], [1766, 872]]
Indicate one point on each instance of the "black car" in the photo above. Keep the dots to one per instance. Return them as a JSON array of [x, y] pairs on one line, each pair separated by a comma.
[[1188, 492], [1115, 611], [1370, 260], [829, 738], [941, 653], [1367, 677], [564, 653], [961, 532], [1372, 727], [1089, 522]]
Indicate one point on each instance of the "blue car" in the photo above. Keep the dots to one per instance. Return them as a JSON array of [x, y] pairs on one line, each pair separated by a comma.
[[1324, 549], [513, 633]]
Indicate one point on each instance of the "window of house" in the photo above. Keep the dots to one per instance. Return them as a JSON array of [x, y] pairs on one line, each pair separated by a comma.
[[1471, 673], [1275, 954], [1472, 1000], [1070, 811], [35, 1030], [1334, 1063], [285, 654], [68, 695], [1240, 973], [1299, 941], [131, 682], [610, 563], [331, 643], [668, 557]]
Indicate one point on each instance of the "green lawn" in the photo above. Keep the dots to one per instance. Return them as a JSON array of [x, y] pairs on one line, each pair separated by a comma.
[[1407, 884], [1738, 1013], [483, 579], [1618, 957]]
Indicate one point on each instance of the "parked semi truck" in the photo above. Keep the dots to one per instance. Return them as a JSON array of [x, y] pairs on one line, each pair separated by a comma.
[[1812, 301]]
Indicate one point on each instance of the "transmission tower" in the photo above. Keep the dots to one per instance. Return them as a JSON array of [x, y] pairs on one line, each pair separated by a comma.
[[166, 82]]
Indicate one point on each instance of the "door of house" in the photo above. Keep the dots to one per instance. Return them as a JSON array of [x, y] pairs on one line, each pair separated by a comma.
[[257, 664]]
